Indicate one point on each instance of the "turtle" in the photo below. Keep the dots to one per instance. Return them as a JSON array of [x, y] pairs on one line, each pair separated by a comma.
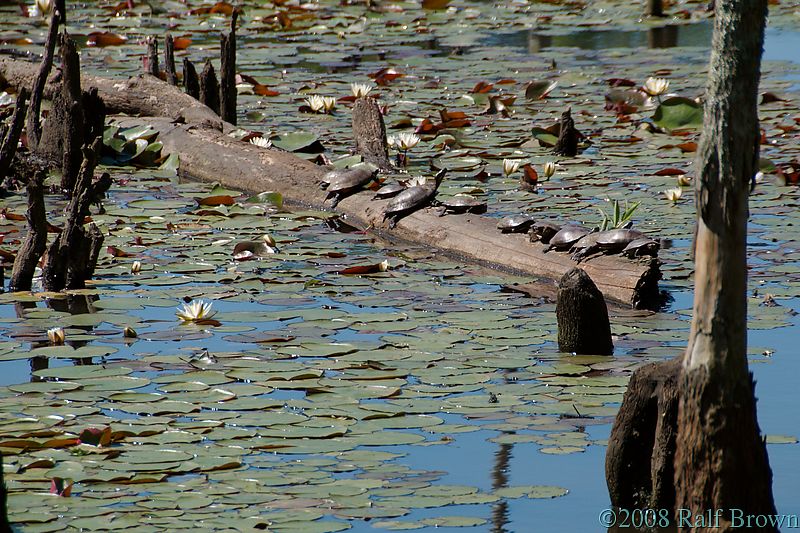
[[641, 247], [411, 199], [579, 249], [566, 237], [349, 181], [520, 223], [614, 240], [390, 189], [543, 231], [461, 203]]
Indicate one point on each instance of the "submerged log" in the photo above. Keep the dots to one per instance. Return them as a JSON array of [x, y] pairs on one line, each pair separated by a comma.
[[208, 154]]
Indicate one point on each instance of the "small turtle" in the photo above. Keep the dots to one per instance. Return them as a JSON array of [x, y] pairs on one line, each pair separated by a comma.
[[566, 237], [543, 231], [390, 189], [579, 249], [411, 199], [641, 247], [611, 241], [462, 203], [516, 223], [349, 181]]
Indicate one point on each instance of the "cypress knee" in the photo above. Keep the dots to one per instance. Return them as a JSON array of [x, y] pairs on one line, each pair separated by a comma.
[[583, 326]]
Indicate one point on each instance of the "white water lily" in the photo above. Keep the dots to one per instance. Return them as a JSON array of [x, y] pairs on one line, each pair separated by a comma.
[[417, 181], [656, 86], [360, 90], [383, 266], [549, 169], [136, 267], [194, 311], [56, 336], [261, 141], [510, 166], [316, 103], [673, 195], [328, 102], [406, 141]]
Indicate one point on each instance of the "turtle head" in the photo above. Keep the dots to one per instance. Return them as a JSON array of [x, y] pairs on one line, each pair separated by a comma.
[[439, 178]]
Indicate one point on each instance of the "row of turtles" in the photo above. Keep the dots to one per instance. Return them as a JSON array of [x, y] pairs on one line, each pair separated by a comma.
[[417, 193], [405, 197], [580, 241]]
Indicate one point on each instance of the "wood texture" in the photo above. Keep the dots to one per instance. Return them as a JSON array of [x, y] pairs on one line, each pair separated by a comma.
[[583, 326]]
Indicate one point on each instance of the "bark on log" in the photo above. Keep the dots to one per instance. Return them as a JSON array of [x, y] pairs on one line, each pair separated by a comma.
[[191, 82], [369, 132], [582, 315], [654, 8], [209, 87], [247, 167], [35, 241], [641, 448], [169, 60], [11, 138]]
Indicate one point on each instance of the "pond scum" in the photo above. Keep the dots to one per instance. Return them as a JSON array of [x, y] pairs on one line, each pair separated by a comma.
[[308, 400]]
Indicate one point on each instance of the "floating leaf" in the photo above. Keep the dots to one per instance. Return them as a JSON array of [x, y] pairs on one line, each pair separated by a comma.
[[678, 113]]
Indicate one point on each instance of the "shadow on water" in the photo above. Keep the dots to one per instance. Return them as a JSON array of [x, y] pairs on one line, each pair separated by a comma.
[[698, 34]]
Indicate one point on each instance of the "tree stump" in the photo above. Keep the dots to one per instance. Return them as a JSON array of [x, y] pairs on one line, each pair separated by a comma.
[[151, 57], [34, 127], [11, 138], [583, 326], [567, 143], [227, 94], [35, 241], [169, 60], [72, 257], [190, 80], [209, 87], [641, 448], [369, 131]]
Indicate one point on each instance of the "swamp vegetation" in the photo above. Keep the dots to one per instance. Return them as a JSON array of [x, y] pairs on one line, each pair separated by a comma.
[[324, 394]]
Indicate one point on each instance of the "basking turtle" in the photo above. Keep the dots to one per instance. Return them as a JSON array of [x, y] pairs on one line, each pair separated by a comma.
[[566, 237], [516, 223], [610, 241], [462, 203], [349, 181], [641, 247], [412, 199], [579, 249], [390, 189], [543, 231]]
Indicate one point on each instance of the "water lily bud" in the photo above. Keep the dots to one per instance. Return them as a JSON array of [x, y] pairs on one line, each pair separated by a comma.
[[129, 333], [56, 336], [684, 180], [136, 267], [510, 166], [549, 169]]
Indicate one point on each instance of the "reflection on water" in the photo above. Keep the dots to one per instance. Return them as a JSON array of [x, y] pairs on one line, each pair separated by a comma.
[[669, 36]]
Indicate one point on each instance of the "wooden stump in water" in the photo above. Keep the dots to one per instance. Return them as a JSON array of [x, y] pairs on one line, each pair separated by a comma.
[[567, 143], [190, 80], [11, 138], [641, 448], [209, 87], [583, 326], [169, 60], [369, 131], [151, 59], [34, 127], [72, 257], [227, 76], [35, 241]]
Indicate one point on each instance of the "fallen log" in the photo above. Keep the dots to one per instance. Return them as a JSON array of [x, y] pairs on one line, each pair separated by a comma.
[[206, 153]]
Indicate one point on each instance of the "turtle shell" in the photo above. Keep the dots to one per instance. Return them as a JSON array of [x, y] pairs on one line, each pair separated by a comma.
[[520, 223], [641, 247], [618, 238], [463, 203], [389, 190], [543, 231], [351, 178], [566, 237]]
